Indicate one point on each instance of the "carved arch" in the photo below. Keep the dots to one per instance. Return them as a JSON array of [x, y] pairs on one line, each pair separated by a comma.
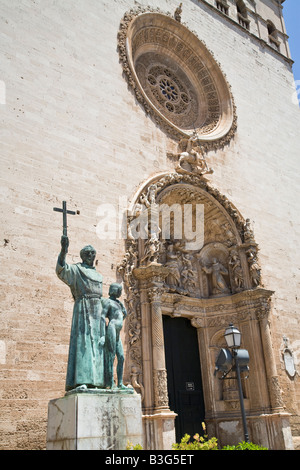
[[226, 231]]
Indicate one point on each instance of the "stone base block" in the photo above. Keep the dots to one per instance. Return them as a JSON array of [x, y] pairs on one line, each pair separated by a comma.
[[159, 430], [83, 421], [268, 430]]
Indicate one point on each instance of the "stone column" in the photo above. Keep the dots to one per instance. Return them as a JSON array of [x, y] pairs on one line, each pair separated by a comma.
[[161, 401], [272, 377], [160, 421], [277, 424]]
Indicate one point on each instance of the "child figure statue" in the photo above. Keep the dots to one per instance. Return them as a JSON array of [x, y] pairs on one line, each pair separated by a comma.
[[115, 311]]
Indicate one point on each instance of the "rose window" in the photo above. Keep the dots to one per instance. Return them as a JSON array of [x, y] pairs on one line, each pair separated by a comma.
[[168, 89], [175, 77]]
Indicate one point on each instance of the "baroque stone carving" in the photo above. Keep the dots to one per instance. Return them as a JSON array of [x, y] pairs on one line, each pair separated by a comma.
[[190, 157], [152, 247], [177, 14], [135, 382], [197, 322], [254, 267], [217, 271], [133, 326], [237, 271], [160, 388], [175, 77], [173, 278]]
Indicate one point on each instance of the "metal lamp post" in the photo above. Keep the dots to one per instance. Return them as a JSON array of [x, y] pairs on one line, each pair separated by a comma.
[[235, 359]]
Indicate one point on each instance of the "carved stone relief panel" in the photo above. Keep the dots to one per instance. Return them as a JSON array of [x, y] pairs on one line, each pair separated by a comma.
[[215, 269]]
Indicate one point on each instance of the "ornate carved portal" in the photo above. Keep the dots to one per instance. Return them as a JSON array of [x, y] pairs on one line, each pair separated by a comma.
[[212, 284]]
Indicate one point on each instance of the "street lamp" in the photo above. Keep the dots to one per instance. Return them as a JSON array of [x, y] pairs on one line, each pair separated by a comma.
[[234, 360], [233, 336]]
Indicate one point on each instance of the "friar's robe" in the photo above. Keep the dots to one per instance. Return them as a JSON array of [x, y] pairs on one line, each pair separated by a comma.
[[86, 353]]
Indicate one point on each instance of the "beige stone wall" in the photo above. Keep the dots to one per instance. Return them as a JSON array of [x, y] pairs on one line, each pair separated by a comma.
[[72, 130]]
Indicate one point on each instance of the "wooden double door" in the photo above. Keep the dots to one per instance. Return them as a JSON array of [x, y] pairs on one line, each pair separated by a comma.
[[184, 375]]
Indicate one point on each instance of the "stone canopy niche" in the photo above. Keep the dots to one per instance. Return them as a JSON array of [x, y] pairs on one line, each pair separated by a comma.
[[213, 285], [176, 78]]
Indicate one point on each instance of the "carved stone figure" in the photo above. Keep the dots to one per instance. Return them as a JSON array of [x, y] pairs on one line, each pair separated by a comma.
[[230, 237], [177, 14], [217, 272], [188, 276], [191, 160], [147, 199], [173, 278], [152, 247], [115, 311], [152, 193], [254, 267], [248, 232], [86, 349], [237, 272]]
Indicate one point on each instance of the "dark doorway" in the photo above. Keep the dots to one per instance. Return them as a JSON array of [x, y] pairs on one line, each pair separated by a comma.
[[184, 376]]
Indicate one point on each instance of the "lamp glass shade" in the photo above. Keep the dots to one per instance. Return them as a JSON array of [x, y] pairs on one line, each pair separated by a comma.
[[233, 336]]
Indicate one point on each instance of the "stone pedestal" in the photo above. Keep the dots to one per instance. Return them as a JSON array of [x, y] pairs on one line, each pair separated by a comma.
[[94, 421], [159, 430]]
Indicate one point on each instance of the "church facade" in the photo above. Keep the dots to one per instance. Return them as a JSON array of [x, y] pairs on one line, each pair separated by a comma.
[[172, 132]]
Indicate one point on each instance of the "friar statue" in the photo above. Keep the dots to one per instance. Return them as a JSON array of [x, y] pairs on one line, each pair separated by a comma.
[[86, 349]]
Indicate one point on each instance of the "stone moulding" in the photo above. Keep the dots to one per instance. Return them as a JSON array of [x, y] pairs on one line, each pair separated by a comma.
[[210, 312], [176, 78]]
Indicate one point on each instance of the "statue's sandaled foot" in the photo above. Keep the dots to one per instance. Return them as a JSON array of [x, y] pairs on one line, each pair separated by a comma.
[[81, 387], [111, 387], [122, 387]]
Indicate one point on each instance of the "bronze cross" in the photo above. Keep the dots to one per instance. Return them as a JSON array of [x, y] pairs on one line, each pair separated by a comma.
[[65, 212]]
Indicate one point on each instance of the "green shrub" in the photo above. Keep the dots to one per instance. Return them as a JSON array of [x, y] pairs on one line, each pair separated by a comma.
[[202, 443], [131, 446], [244, 446], [199, 442]]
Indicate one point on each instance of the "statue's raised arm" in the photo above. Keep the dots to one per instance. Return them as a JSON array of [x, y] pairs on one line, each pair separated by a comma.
[[64, 241]]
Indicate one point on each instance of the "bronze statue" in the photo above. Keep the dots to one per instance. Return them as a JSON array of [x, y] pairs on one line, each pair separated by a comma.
[[93, 345], [86, 349], [115, 311]]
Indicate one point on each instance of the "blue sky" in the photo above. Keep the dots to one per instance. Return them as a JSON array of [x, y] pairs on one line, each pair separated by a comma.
[[291, 14]]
